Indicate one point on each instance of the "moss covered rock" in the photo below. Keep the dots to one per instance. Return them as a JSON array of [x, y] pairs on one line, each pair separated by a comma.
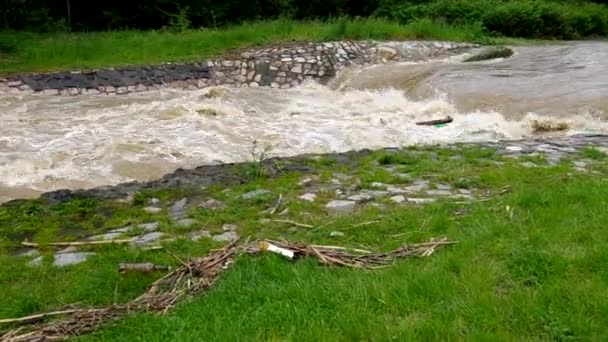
[[490, 53]]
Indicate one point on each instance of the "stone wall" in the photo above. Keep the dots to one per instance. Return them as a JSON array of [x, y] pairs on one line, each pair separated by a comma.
[[277, 67]]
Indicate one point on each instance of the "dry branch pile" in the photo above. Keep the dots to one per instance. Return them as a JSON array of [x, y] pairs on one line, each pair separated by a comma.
[[194, 277]]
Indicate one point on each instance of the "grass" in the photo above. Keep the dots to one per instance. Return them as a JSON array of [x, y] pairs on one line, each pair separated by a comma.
[[530, 264], [33, 52]]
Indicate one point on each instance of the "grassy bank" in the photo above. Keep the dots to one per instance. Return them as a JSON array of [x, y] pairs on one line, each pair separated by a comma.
[[33, 52], [530, 263]]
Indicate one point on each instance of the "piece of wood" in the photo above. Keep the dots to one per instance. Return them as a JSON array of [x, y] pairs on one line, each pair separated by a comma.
[[144, 267], [446, 120], [295, 223], [38, 317], [77, 243]]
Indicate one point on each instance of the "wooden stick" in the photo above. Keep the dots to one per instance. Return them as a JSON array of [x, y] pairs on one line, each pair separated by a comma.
[[295, 223], [37, 317], [343, 249], [77, 243]]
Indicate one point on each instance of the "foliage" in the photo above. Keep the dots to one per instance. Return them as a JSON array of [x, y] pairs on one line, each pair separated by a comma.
[[512, 18]]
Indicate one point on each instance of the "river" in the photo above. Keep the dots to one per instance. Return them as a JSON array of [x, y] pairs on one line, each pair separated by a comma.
[[54, 142]]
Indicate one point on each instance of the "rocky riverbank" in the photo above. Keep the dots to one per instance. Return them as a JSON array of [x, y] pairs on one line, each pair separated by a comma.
[[336, 184], [277, 67]]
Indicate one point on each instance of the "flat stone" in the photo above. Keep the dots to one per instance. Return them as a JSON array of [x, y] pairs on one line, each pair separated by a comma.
[[514, 148], [185, 223], [417, 186], [67, 259], [152, 210], [70, 249], [178, 209], [195, 236], [336, 234], [149, 238], [225, 237], [153, 201], [579, 164], [393, 190], [443, 187], [464, 191], [310, 197], [378, 185], [361, 198], [398, 199], [438, 193], [421, 200], [30, 253], [14, 83], [107, 236], [148, 227], [341, 207], [255, 194], [528, 164], [212, 204], [229, 227]]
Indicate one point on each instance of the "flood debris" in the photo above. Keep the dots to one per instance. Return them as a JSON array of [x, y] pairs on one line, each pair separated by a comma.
[[144, 267], [443, 121], [540, 126], [194, 277]]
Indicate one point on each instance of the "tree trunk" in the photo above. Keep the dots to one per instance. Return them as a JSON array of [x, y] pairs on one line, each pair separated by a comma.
[[67, 2]]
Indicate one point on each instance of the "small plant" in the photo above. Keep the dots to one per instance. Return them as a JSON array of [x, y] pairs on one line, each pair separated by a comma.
[[259, 154], [179, 21]]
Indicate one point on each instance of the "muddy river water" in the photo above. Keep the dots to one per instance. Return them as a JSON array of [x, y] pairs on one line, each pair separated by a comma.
[[53, 142]]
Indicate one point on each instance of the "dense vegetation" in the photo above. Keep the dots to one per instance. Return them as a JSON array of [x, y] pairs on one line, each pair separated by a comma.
[[517, 18]]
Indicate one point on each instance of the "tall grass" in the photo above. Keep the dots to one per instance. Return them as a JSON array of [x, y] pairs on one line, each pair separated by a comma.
[[31, 52]]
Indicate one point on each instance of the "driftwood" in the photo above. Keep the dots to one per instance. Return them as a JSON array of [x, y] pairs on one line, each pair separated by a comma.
[[196, 276], [77, 243], [144, 267], [446, 120]]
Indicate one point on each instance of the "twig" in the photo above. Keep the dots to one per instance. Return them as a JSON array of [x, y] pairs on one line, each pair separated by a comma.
[[342, 248], [276, 207], [295, 223], [365, 223], [77, 243]]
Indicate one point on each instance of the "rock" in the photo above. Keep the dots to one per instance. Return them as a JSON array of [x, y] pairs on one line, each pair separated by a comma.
[[378, 185], [152, 210], [386, 52], [107, 236], [392, 190], [341, 207], [67, 259], [421, 200], [229, 227], [514, 148], [361, 198], [580, 164], [464, 191], [310, 197], [148, 238], [443, 187], [305, 181], [30, 253], [255, 194], [398, 199], [490, 53], [417, 186], [528, 164], [70, 249], [148, 227], [154, 201], [336, 234], [178, 209], [225, 237], [195, 236], [185, 223], [212, 204], [438, 193]]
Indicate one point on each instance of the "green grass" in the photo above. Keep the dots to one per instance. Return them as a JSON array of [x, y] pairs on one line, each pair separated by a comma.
[[33, 52], [529, 265]]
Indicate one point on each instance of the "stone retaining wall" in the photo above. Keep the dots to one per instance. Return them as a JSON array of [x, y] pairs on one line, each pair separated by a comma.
[[281, 67]]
